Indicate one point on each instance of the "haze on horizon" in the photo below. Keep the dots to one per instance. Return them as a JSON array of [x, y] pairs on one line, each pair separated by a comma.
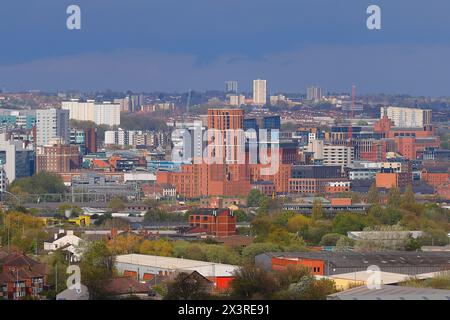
[[174, 45]]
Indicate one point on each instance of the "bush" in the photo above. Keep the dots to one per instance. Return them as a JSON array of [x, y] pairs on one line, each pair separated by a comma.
[[330, 239]]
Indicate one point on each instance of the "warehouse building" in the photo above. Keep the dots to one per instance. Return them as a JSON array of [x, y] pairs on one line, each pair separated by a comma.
[[331, 263], [146, 267]]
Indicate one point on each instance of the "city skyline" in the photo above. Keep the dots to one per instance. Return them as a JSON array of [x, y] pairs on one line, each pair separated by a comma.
[[292, 45]]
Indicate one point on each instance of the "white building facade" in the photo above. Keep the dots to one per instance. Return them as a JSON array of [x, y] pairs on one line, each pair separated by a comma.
[[260, 92], [105, 113], [51, 124]]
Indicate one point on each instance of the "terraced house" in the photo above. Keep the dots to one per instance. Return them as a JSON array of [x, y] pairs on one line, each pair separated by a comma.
[[21, 277]]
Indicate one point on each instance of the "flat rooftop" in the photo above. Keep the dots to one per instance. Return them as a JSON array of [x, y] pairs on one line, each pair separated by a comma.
[[383, 259], [207, 269], [389, 292]]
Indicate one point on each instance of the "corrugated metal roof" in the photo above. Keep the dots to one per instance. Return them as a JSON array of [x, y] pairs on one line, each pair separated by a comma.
[[207, 269]]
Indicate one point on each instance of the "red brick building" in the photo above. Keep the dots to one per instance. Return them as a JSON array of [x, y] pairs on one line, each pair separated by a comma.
[[410, 146], [436, 175], [389, 180], [316, 185], [408, 141], [443, 191], [316, 267], [91, 140], [57, 158], [21, 277], [337, 187], [265, 187], [215, 222], [197, 180], [388, 130]]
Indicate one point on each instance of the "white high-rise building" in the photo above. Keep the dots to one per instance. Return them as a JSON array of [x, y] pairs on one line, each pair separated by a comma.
[[338, 156], [237, 100], [314, 93], [120, 137], [260, 92], [3, 179], [231, 87], [15, 159], [105, 113], [330, 154], [51, 124], [407, 117]]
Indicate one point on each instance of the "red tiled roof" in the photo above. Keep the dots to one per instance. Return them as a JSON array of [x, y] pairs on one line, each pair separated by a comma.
[[125, 285]]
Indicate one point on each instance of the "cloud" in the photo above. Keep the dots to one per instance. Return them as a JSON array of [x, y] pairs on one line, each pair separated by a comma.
[[420, 70]]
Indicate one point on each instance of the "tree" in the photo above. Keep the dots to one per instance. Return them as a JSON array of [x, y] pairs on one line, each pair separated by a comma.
[[251, 251], [394, 197], [344, 222], [298, 222], [284, 238], [251, 281], [145, 122], [186, 287], [291, 274], [434, 237], [254, 198], [40, 183], [97, 268], [240, 215], [116, 204], [57, 275], [408, 200], [317, 210], [355, 197], [23, 231], [270, 206], [124, 244], [283, 218], [344, 244], [159, 247], [318, 290], [261, 227], [330, 239], [314, 233], [373, 196], [157, 215]]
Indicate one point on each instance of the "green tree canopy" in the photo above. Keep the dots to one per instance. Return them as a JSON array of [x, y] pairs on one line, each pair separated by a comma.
[[185, 287], [255, 198], [344, 222], [40, 183], [116, 204], [97, 268], [373, 196]]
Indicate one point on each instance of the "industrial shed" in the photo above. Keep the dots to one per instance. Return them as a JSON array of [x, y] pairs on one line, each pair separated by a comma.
[[145, 267], [330, 263]]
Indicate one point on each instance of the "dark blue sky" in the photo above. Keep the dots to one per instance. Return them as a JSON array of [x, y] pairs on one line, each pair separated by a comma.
[[147, 45]]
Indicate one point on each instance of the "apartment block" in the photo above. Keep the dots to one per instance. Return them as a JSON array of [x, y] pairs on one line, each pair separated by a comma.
[[215, 222], [105, 113], [407, 117], [57, 158], [51, 124]]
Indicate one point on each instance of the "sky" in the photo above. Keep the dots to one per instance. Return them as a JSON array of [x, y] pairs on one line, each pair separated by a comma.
[[181, 45]]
